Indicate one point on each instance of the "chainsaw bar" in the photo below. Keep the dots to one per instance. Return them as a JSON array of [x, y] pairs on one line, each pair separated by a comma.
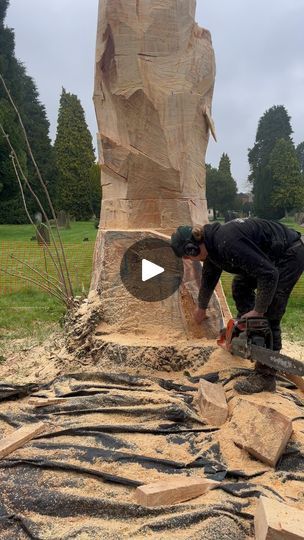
[[273, 359]]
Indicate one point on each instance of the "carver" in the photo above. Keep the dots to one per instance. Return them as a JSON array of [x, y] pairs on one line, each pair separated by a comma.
[[267, 259]]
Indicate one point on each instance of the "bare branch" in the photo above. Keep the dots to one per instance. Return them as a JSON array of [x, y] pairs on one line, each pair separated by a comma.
[[49, 279], [41, 181], [37, 283]]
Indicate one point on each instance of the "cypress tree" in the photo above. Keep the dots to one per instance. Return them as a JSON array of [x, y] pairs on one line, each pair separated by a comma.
[[74, 158], [273, 125], [221, 188], [25, 95]]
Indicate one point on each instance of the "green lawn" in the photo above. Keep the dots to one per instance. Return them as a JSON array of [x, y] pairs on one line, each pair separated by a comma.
[[77, 232], [27, 312]]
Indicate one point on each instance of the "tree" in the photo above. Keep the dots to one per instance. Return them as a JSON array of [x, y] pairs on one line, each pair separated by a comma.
[[273, 125], [229, 196], [75, 159], [212, 188], [287, 180], [25, 95], [221, 189], [95, 189], [300, 155]]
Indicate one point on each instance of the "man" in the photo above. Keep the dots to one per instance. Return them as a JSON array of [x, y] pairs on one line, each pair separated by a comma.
[[267, 259]]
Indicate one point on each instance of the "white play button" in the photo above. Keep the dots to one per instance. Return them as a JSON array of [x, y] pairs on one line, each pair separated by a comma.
[[149, 270]]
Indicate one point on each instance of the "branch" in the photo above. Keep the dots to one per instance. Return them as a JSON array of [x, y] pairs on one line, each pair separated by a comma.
[[49, 279], [70, 292], [37, 283]]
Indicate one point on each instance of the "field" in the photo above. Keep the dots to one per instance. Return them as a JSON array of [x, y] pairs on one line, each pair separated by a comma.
[[25, 311]]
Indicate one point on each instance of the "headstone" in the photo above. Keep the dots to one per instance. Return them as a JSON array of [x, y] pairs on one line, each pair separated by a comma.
[[43, 235]]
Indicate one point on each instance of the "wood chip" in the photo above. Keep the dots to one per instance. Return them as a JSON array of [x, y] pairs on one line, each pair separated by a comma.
[[173, 491], [19, 438]]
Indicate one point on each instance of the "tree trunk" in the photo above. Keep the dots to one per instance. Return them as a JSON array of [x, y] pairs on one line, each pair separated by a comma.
[[154, 81]]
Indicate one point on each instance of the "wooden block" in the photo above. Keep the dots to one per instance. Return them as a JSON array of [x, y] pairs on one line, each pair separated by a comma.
[[262, 431], [173, 491], [274, 521], [40, 402], [296, 379], [19, 438], [212, 403]]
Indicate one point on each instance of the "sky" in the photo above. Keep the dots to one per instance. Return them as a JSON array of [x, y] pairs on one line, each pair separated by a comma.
[[258, 45]]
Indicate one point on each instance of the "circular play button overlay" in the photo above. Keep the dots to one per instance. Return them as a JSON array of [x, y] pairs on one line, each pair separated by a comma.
[[150, 270]]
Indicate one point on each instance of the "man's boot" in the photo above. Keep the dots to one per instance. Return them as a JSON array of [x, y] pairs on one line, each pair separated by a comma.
[[262, 379]]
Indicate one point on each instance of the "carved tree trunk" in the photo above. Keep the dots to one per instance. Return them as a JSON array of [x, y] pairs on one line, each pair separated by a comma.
[[154, 81], [155, 74]]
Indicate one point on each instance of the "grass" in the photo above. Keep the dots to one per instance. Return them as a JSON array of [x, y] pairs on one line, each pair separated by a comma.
[[28, 312], [35, 307], [78, 231]]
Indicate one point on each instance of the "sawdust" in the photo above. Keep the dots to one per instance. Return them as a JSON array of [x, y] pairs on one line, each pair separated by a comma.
[[42, 363], [293, 349]]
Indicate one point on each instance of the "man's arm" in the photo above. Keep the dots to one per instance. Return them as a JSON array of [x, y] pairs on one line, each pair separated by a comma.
[[210, 277]]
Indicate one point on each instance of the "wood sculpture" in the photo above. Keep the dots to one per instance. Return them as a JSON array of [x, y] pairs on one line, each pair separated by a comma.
[[155, 73]]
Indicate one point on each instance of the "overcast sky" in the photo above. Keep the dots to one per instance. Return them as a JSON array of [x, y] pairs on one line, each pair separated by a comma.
[[259, 49]]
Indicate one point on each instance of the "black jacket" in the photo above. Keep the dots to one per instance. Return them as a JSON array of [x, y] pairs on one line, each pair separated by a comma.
[[249, 247]]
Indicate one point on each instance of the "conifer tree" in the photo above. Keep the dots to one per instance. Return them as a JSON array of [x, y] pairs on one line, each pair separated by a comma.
[[288, 182], [221, 189], [25, 95], [74, 158], [273, 125], [300, 155]]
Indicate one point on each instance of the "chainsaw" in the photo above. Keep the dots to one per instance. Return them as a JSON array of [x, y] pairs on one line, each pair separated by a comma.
[[251, 338]]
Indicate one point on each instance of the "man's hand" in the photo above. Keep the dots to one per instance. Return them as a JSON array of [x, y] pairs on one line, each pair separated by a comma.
[[252, 313], [200, 315]]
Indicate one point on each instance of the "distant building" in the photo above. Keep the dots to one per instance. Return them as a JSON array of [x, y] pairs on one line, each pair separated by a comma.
[[245, 198]]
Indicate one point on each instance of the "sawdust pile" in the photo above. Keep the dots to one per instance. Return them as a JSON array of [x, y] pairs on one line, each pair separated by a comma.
[[131, 412]]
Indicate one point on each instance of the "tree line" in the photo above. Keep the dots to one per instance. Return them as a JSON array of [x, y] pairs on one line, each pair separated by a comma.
[[68, 166], [276, 172]]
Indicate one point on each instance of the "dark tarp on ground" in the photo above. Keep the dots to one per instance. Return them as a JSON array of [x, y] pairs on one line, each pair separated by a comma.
[[115, 432]]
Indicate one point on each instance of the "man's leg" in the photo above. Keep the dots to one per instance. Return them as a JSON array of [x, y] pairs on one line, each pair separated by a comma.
[[243, 292], [290, 269]]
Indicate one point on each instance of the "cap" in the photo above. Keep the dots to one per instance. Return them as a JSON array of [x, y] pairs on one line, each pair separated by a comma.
[[180, 238]]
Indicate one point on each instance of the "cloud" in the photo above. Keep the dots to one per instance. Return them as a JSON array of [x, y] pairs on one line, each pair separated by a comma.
[[258, 45]]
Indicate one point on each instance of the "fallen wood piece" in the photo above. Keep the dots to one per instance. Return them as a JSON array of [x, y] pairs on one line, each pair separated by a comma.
[[274, 521], [172, 491], [35, 402], [19, 438], [296, 379], [262, 431], [212, 403]]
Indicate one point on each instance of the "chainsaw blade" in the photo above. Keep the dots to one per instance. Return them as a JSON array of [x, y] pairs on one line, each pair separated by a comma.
[[272, 359]]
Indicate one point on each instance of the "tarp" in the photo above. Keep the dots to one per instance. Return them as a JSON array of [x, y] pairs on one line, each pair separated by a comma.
[[115, 432]]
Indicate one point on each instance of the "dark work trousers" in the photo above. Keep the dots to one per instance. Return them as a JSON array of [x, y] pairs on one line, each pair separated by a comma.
[[290, 267]]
